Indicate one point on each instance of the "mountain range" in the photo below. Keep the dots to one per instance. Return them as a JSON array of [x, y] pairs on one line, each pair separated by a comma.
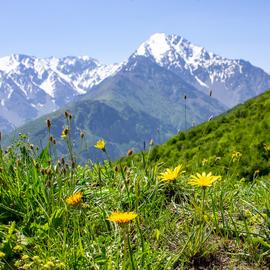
[[167, 84]]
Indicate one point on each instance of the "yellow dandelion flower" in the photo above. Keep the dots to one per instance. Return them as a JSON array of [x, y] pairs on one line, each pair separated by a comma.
[[171, 174], [100, 144], [236, 156], [64, 133], [122, 217], [74, 199], [203, 180]]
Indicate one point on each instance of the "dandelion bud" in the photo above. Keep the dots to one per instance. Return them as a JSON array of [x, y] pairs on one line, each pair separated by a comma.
[[116, 168], [48, 171], [82, 135], [70, 116], [31, 146], [210, 94], [151, 142], [130, 152], [63, 161], [51, 138], [66, 114], [185, 97], [49, 123], [54, 141], [73, 164]]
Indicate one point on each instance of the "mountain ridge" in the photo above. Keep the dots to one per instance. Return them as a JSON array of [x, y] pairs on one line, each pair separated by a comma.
[[31, 87]]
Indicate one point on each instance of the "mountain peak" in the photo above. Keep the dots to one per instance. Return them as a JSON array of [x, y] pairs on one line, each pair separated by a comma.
[[170, 48]]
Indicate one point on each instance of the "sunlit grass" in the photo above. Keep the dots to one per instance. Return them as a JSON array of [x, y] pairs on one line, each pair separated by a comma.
[[56, 214]]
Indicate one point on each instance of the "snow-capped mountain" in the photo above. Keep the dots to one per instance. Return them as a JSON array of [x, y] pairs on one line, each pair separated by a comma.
[[231, 81], [31, 86]]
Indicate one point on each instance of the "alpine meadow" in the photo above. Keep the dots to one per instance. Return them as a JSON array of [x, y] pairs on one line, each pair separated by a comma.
[[126, 146]]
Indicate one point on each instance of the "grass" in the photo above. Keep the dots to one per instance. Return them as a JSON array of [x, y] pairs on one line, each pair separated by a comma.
[[54, 213]]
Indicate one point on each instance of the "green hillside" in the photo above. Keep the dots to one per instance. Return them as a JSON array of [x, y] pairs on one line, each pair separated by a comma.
[[141, 102], [209, 210], [244, 129]]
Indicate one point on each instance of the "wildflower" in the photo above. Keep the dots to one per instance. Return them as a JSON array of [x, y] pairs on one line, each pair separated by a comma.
[[100, 144], [203, 180], [2, 254], [36, 258], [74, 199], [236, 156], [122, 217], [25, 257], [64, 133], [171, 174], [204, 161], [130, 152], [17, 248]]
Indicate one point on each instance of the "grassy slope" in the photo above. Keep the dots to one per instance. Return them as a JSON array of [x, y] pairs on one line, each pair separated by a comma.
[[245, 128], [178, 226]]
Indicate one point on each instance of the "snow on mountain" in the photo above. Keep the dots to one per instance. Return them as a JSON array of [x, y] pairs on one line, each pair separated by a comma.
[[31, 86], [231, 81]]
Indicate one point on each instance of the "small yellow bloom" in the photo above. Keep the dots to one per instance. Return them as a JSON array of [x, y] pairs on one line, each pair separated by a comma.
[[25, 257], [204, 161], [50, 264], [236, 156], [171, 174], [74, 199], [36, 258], [64, 133], [17, 248], [2, 254], [100, 144], [122, 217], [203, 180]]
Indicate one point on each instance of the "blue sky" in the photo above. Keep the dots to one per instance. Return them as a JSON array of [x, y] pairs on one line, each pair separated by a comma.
[[110, 30]]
